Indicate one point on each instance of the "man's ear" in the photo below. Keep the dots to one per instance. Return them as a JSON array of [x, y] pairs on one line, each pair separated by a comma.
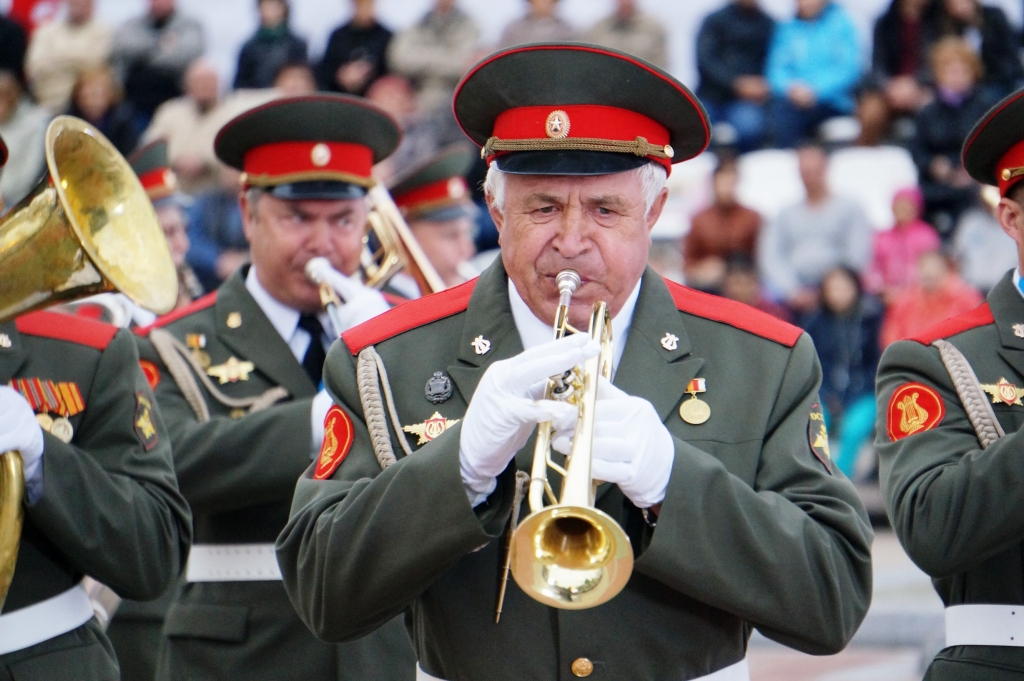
[[1011, 219], [496, 214], [248, 209], [655, 212]]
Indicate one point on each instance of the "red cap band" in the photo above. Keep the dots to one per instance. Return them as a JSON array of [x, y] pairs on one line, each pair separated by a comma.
[[586, 121], [284, 162], [1011, 160], [448, 190], [159, 182]]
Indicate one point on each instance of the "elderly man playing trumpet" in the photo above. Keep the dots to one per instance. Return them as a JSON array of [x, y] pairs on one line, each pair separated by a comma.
[[709, 439], [237, 375]]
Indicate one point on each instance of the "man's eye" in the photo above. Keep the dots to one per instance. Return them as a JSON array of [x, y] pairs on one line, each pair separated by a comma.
[[604, 211], [546, 210]]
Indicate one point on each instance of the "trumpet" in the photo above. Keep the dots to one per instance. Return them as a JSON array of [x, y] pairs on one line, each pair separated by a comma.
[[570, 554]]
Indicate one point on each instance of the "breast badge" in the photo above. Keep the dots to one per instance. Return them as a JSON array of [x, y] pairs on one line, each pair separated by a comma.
[[338, 434], [913, 408], [430, 429], [1004, 391], [695, 411], [438, 388], [817, 436], [232, 371], [144, 428], [196, 343]]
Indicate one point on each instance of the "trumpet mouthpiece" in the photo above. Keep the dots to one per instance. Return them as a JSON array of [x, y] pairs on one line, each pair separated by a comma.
[[315, 269], [567, 281]]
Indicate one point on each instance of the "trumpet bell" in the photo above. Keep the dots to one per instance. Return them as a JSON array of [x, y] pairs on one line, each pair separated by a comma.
[[88, 227], [571, 557]]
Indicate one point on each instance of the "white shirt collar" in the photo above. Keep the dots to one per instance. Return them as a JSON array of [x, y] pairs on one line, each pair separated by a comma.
[[534, 331], [282, 317]]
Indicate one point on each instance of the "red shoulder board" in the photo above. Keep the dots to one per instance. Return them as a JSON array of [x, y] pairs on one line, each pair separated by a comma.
[[734, 314], [67, 327], [196, 305], [338, 434], [408, 316], [979, 316]]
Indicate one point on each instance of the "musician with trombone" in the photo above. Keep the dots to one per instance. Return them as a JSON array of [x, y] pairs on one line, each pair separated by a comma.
[[719, 510], [237, 377], [87, 484]]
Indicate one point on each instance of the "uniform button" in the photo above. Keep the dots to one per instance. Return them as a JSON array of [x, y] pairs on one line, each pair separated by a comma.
[[582, 667]]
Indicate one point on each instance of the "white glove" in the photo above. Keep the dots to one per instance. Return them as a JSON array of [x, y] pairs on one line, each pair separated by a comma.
[[360, 301], [20, 431], [321, 405], [505, 408], [632, 447]]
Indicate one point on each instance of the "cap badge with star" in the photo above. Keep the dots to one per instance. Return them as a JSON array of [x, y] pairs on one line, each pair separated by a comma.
[[994, 150], [436, 190], [577, 109], [309, 147]]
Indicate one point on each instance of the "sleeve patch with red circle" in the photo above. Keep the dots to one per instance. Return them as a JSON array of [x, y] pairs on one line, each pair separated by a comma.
[[338, 434], [151, 372], [914, 408]]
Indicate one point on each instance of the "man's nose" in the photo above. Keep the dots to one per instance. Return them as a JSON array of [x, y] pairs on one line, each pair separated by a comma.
[[572, 239], [319, 241]]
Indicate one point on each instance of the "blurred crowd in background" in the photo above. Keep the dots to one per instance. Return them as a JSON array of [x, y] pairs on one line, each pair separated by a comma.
[[832, 197]]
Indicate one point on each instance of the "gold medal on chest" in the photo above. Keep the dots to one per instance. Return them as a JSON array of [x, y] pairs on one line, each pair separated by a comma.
[[695, 411], [431, 428]]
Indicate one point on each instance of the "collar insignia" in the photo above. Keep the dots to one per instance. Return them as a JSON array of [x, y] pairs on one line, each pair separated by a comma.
[[481, 345]]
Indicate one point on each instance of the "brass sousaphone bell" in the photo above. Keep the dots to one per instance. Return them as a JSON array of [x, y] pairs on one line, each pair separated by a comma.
[[88, 227]]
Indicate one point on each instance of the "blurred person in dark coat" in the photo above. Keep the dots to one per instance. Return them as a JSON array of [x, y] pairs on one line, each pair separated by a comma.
[[271, 47], [356, 53], [988, 33], [13, 44], [97, 98], [899, 56]]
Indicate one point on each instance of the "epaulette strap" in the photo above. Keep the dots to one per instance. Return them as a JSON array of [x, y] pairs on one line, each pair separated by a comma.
[[46, 324], [195, 306], [979, 316], [736, 315], [968, 387], [409, 316]]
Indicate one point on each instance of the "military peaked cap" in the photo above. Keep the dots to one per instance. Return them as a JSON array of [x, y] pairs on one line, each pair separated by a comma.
[[309, 147], [994, 150], [578, 109], [436, 189], [154, 170]]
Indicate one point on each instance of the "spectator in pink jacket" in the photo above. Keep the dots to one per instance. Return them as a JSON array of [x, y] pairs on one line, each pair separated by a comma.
[[894, 267]]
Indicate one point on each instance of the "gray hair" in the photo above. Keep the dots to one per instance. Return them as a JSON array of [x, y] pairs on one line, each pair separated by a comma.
[[651, 175]]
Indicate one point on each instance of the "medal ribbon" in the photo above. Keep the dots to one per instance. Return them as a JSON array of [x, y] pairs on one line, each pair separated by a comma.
[[62, 398]]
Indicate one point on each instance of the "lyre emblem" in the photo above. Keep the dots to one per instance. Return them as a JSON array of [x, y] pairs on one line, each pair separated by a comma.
[[914, 415]]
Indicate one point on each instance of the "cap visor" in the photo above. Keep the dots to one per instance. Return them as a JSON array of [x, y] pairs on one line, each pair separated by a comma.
[[317, 190], [568, 162]]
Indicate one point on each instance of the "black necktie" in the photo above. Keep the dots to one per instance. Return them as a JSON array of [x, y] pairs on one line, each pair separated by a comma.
[[313, 362]]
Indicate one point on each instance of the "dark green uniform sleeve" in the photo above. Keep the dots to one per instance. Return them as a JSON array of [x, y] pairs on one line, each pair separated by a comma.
[[357, 527], [227, 464], [806, 530], [952, 505], [112, 506]]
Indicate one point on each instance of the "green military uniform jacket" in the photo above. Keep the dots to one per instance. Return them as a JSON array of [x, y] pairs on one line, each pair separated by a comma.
[[238, 472], [955, 507], [110, 506], [755, 531]]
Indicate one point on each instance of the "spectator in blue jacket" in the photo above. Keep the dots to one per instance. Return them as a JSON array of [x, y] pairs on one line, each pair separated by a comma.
[[219, 246], [732, 47], [813, 67]]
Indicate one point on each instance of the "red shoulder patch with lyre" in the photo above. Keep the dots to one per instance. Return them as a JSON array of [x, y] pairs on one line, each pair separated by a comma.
[[979, 316], [409, 316], [152, 373], [338, 434], [914, 408], [737, 315], [68, 328], [196, 305]]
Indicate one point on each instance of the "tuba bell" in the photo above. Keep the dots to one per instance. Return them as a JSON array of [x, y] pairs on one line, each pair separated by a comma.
[[88, 227], [570, 554]]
